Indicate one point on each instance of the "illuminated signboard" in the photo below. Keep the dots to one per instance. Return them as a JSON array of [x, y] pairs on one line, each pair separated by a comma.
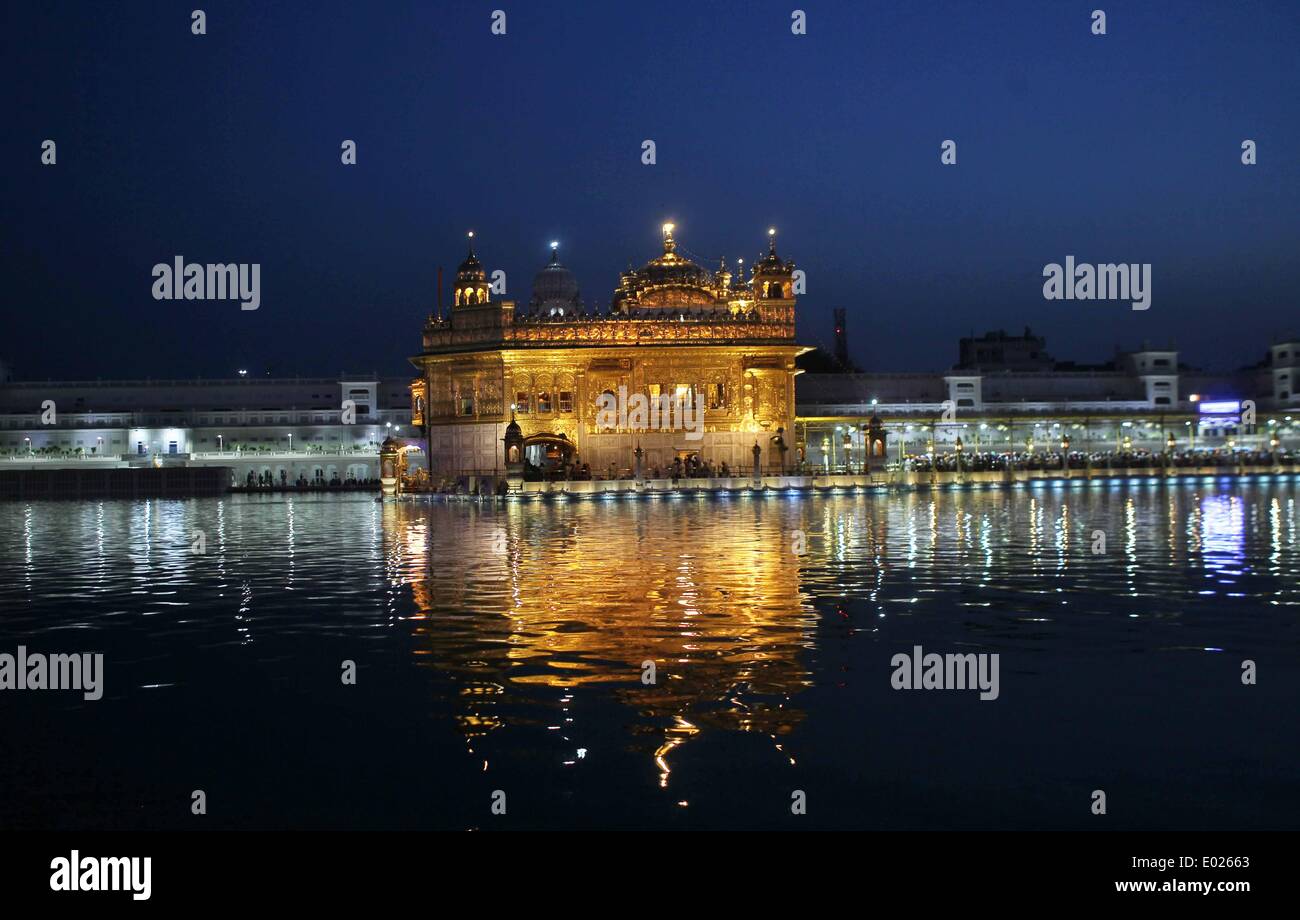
[[1221, 407]]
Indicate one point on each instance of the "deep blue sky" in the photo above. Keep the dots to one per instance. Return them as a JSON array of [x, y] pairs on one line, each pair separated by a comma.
[[225, 147]]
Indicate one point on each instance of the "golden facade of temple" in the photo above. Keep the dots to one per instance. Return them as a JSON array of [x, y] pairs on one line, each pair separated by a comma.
[[674, 331]]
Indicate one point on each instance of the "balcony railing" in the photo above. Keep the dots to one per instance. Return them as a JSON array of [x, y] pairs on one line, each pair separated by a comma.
[[273, 453]]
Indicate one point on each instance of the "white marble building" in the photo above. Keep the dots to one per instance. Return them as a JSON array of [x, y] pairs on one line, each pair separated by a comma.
[[318, 428], [1135, 401]]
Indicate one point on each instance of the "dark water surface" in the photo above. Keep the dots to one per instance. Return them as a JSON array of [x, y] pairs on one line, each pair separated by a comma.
[[501, 648]]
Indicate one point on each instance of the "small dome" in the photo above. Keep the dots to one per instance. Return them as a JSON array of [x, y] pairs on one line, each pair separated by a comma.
[[471, 270], [772, 264], [555, 290]]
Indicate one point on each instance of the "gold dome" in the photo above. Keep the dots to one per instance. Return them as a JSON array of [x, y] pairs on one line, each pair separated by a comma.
[[669, 282]]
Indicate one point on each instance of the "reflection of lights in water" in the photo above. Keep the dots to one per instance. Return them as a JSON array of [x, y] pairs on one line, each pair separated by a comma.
[[678, 735], [714, 600], [1063, 539], [27, 547], [1275, 532], [514, 601], [1223, 532]]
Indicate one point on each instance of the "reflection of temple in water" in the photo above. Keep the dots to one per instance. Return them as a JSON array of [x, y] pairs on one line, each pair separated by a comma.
[[537, 616], [573, 598]]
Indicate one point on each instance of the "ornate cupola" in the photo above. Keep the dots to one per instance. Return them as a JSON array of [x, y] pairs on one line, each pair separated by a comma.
[[472, 286], [723, 277], [555, 290], [773, 278], [740, 287], [671, 283]]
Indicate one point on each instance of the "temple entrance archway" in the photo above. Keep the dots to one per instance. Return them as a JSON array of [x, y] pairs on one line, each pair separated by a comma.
[[548, 451]]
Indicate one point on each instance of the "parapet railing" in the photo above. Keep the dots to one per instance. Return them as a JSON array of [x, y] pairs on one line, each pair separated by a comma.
[[245, 454]]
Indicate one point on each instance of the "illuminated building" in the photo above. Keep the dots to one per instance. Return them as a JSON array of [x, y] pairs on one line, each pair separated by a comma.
[[282, 428], [1007, 391], [674, 331]]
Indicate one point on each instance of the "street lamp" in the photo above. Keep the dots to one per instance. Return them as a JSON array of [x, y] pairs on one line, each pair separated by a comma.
[[291, 442], [221, 447]]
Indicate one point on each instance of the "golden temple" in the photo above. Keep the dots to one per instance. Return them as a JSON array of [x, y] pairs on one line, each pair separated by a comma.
[[673, 331]]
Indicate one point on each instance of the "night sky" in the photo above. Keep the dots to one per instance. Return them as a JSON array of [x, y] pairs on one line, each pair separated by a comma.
[[226, 148]]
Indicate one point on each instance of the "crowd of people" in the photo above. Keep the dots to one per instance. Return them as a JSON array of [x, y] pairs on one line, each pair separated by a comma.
[[694, 467], [691, 467], [984, 461], [267, 480]]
